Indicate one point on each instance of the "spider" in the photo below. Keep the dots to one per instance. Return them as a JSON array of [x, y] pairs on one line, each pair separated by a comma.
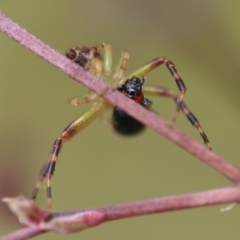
[[132, 86]]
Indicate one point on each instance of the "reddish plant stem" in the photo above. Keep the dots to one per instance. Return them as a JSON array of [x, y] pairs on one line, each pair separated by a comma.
[[67, 221], [151, 120], [24, 233], [165, 204]]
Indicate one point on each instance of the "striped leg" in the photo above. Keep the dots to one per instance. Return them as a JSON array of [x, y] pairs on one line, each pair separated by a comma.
[[141, 72], [82, 121], [164, 92]]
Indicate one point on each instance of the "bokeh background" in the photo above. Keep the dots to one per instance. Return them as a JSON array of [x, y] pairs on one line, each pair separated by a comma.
[[97, 167]]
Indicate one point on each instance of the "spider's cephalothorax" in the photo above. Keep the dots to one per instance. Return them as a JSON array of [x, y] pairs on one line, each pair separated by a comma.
[[88, 58], [91, 60], [122, 122]]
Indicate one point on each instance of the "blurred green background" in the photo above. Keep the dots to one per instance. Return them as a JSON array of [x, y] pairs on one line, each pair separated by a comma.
[[97, 167]]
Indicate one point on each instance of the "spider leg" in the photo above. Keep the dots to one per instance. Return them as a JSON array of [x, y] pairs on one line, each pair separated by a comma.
[[76, 101], [107, 59], [165, 92], [171, 67], [107, 56], [121, 69], [78, 124]]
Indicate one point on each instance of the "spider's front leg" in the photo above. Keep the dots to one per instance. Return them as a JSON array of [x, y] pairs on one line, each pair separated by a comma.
[[81, 122], [165, 92], [141, 72]]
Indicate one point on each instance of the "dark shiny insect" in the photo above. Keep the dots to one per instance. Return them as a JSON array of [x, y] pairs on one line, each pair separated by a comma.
[[122, 122], [132, 86]]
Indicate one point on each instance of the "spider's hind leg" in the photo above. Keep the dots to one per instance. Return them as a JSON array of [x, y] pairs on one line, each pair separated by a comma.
[[165, 92], [145, 69]]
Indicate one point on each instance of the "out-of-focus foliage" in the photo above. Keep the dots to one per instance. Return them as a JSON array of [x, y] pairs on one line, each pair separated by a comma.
[[98, 167]]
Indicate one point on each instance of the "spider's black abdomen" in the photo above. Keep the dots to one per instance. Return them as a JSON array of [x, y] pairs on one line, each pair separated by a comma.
[[125, 124], [122, 122]]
